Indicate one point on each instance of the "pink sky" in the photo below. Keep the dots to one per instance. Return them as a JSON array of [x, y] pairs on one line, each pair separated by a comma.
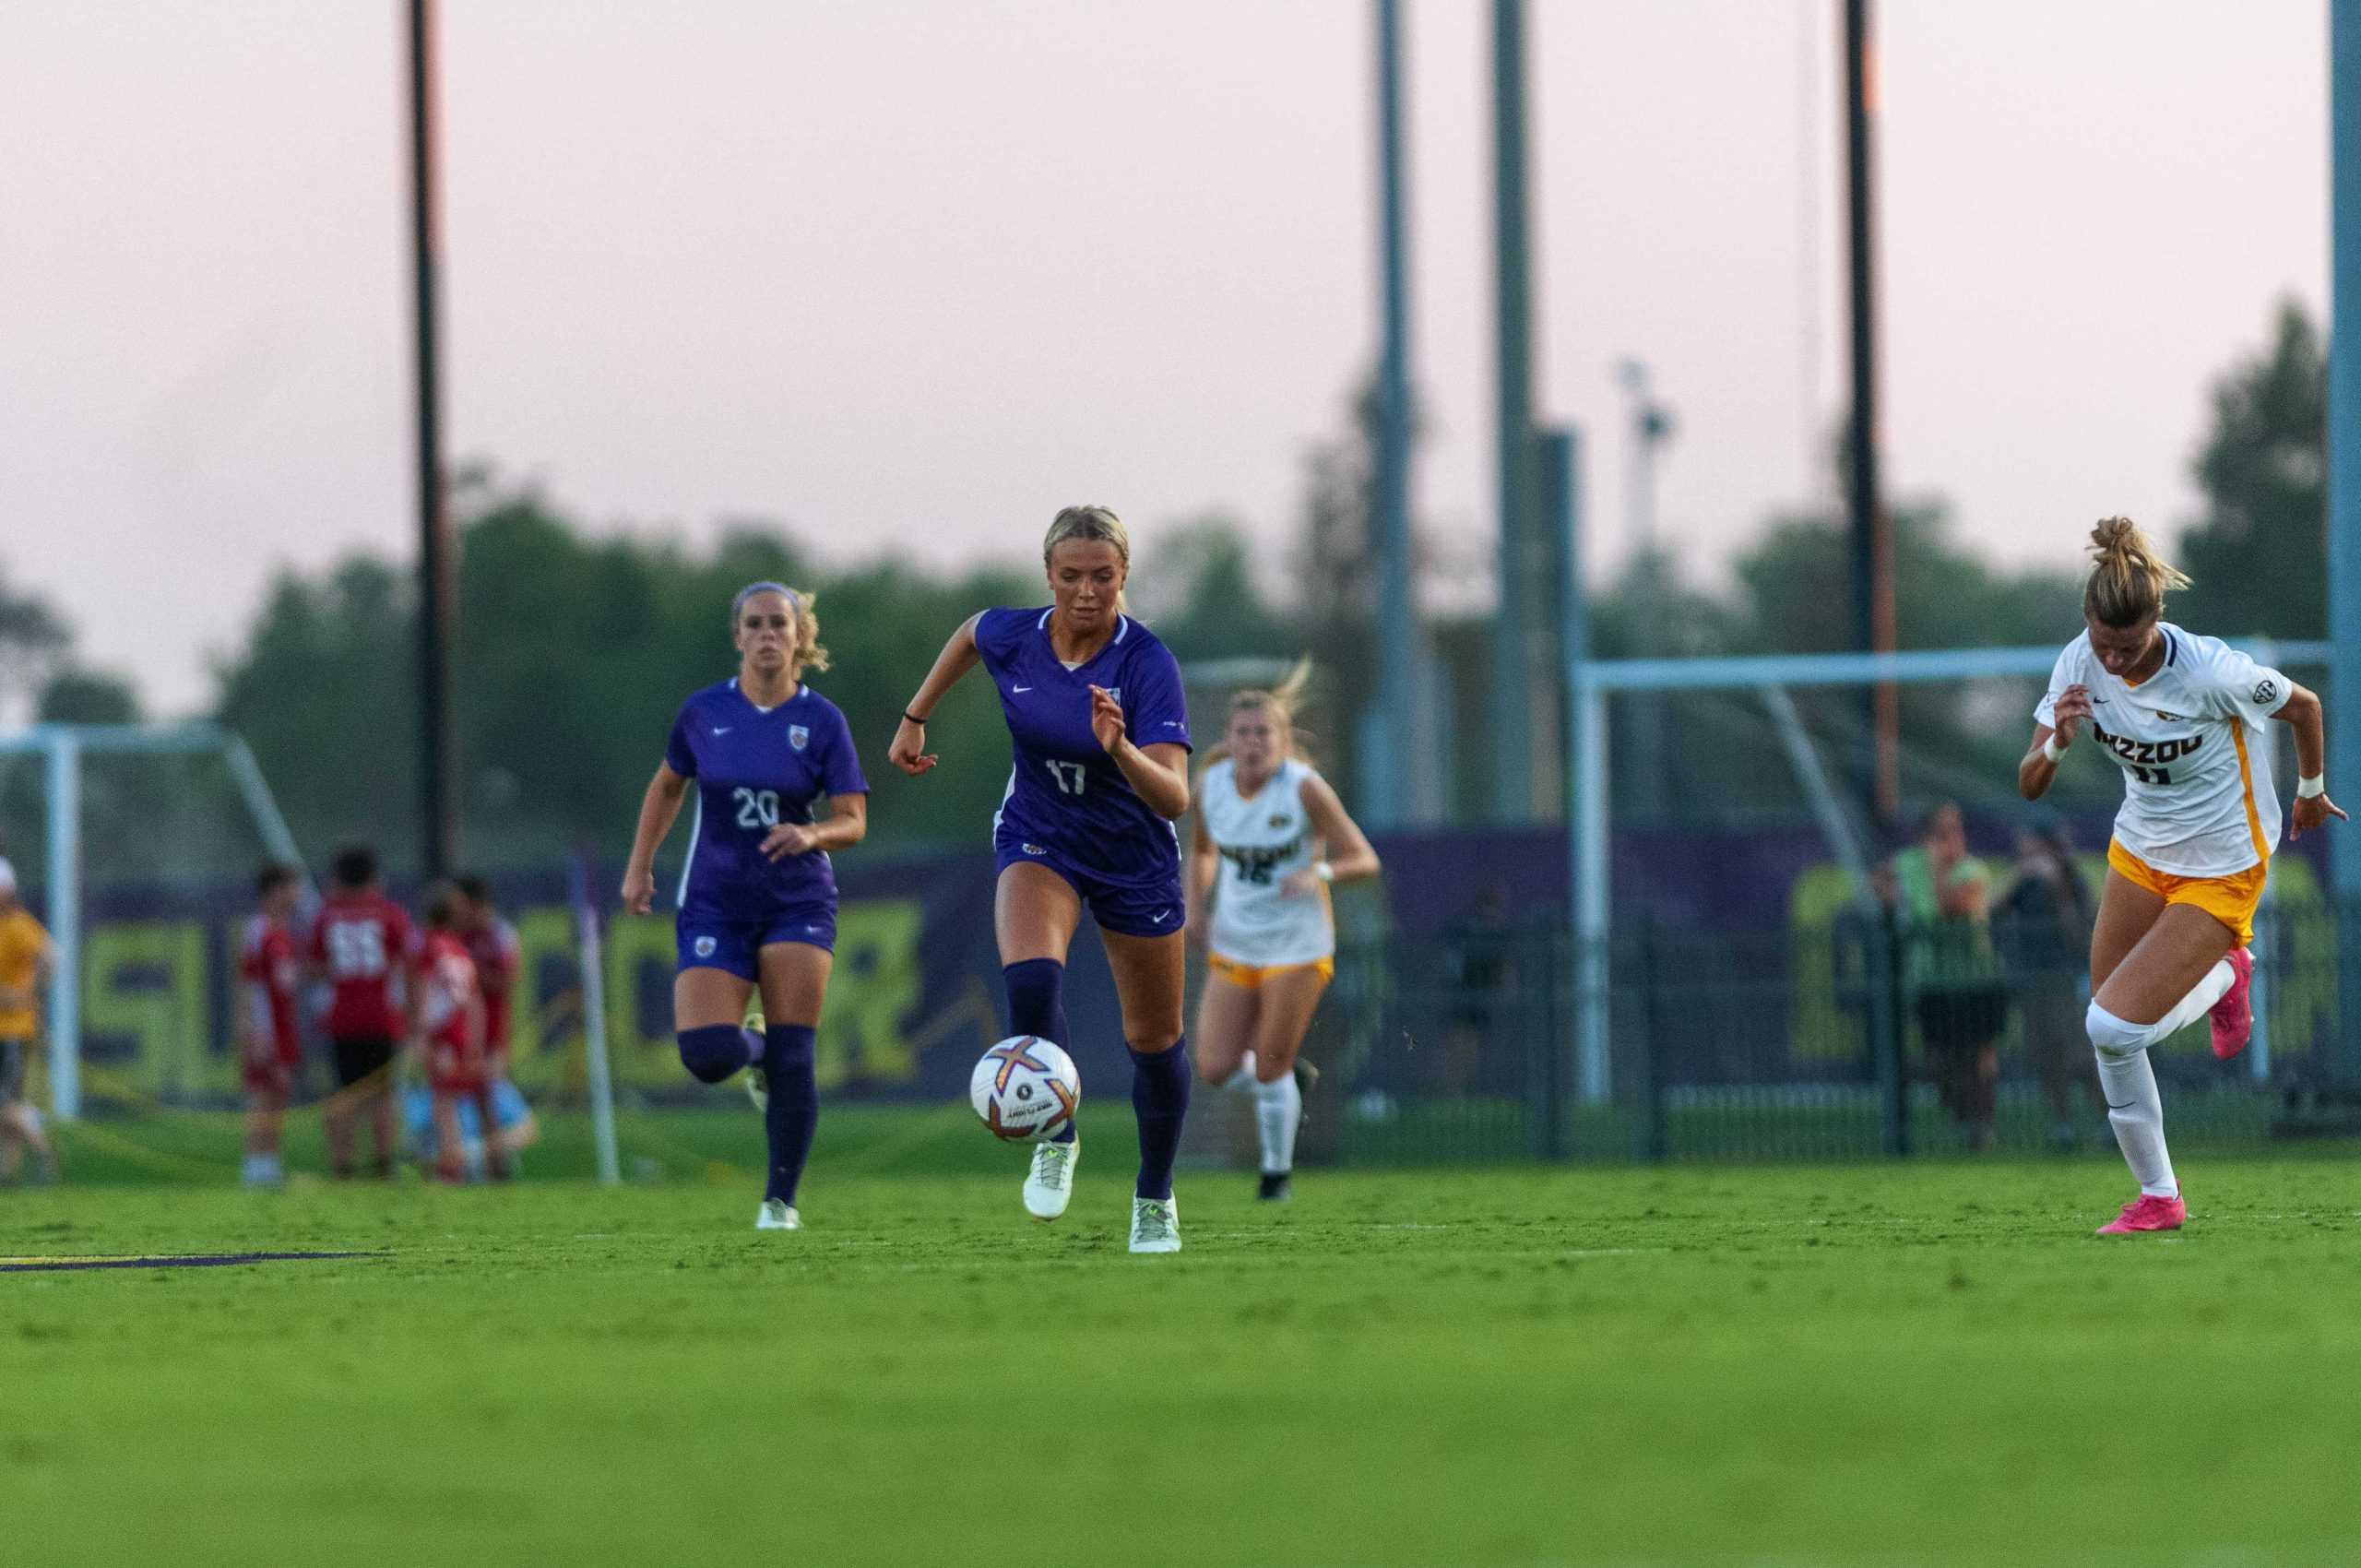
[[911, 275]]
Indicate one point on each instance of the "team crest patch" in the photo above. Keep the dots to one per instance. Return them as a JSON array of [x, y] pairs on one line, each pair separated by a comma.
[[2265, 691], [1280, 820], [1115, 692], [799, 736], [705, 946], [2170, 717]]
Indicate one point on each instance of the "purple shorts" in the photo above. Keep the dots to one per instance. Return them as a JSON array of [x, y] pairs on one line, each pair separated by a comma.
[[1157, 910]]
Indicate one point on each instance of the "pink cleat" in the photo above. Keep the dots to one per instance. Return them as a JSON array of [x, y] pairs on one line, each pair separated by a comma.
[[2145, 1213], [2233, 1017]]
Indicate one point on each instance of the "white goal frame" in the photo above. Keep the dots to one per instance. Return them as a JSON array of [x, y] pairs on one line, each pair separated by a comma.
[[61, 748], [1592, 681]]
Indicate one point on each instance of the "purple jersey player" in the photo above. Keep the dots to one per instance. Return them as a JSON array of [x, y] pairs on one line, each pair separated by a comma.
[[758, 897], [1101, 773]]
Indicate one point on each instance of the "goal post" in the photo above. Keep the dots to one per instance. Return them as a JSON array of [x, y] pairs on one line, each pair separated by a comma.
[[62, 749], [1773, 676]]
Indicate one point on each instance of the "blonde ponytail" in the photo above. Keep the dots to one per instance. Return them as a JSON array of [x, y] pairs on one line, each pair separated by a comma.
[[1282, 702], [2129, 581]]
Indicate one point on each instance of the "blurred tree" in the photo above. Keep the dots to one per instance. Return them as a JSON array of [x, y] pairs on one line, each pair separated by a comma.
[[2259, 554], [34, 639], [1197, 588], [574, 655], [76, 695]]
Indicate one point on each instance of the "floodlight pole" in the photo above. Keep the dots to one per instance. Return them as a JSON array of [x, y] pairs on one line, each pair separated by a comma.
[[438, 828], [1404, 787], [1518, 738], [2344, 508], [1872, 530]]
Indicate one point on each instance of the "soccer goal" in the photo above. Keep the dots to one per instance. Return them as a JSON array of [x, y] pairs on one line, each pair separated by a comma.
[[1991, 694], [65, 754]]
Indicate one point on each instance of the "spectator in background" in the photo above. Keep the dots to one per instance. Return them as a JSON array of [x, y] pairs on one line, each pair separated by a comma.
[[492, 942], [449, 1039], [1953, 975], [25, 958], [2042, 917], [269, 1047]]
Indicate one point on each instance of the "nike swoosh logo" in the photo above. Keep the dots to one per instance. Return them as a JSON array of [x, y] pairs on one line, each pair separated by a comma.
[[2125, 1106], [1020, 688], [723, 730]]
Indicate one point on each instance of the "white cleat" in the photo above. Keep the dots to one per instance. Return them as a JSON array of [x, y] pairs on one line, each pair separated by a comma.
[[758, 1088], [1049, 1186], [1155, 1225], [777, 1216]]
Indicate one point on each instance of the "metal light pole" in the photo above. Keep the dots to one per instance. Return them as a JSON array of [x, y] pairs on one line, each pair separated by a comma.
[[1518, 733], [1651, 427], [437, 754], [2345, 506], [1405, 785], [1873, 607]]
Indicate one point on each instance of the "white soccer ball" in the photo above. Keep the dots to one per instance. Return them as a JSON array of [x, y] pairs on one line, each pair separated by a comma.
[[1024, 1088]]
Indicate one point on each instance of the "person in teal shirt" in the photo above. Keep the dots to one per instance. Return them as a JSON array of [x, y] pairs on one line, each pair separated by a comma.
[[1953, 973]]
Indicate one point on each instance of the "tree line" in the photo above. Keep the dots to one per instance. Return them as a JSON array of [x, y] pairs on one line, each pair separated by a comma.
[[574, 650]]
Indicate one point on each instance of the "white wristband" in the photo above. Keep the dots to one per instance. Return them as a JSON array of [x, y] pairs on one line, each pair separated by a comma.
[[2312, 787], [2052, 749]]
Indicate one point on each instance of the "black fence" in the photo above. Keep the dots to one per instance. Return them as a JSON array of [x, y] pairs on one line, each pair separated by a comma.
[[1863, 1039]]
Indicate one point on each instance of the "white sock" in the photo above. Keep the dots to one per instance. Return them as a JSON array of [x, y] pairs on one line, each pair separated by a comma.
[[1243, 1079], [1278, 1112]]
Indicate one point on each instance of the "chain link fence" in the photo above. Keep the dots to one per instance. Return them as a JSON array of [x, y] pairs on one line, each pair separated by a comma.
[[1847, 1040]]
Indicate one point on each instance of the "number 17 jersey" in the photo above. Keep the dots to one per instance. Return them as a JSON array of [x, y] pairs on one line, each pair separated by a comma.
[[1066, 798]]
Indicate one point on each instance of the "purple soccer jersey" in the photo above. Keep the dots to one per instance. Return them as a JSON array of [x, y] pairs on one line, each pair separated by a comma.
[[1067, 800], [755, 768]]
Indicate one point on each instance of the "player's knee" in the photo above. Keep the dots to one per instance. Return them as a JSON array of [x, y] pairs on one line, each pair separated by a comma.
[[713, 1051], [1271, 1064], [2113, 1036], [1035, 997], [1153, 1042]]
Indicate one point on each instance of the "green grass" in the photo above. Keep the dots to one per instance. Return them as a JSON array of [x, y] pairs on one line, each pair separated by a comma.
[[1927, 1364]]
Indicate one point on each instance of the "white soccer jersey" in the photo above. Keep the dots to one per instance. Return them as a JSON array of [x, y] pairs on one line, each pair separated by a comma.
[[2198, 799], [1263, 839]]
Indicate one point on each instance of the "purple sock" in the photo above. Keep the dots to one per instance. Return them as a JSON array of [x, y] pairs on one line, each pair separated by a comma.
[[1037, 1007], [1161, 1099], [793, 1114]]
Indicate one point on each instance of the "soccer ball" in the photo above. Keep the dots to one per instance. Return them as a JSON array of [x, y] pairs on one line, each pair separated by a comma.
[[1024, 1088]]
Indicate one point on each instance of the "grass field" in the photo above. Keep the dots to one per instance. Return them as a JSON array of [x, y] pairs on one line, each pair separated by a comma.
[[1911, 1364]]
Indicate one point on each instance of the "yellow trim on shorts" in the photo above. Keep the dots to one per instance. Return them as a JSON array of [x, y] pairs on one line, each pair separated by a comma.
[[2230, 899], [2246, 782], [1248, 976]]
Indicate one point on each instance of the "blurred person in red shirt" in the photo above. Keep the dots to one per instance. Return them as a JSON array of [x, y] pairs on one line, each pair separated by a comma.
[[451, 1035], [364, 946], [492, 942], [270, 1046]]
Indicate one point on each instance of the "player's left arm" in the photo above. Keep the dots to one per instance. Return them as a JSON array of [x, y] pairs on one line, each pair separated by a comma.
[[1157, 773], [2302, 713], [1348, 856]]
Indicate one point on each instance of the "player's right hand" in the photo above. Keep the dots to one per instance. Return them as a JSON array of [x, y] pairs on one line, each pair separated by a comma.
[[908, 750], [2066, 720], [639, 890]]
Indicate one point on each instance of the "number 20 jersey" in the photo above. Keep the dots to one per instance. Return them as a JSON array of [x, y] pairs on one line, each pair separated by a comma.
[[2198, 799], [1066, 798], [755, 768]]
